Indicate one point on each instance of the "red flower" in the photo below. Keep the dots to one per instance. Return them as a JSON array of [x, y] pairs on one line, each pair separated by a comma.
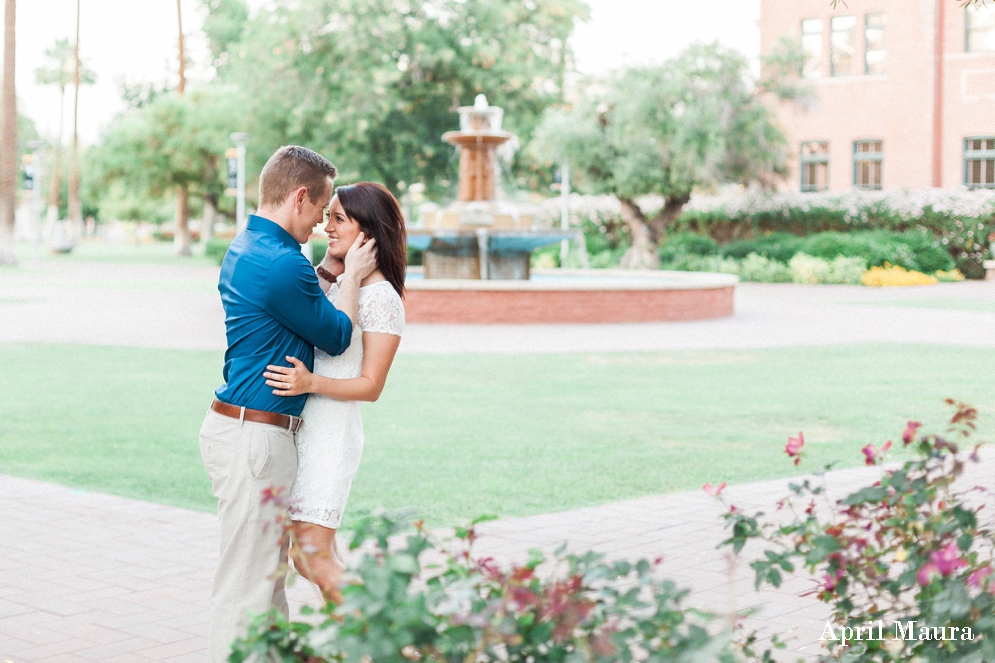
[[910, 432], [714, 490], [886, 447], [794, 447], [273, 494], [870, 454]]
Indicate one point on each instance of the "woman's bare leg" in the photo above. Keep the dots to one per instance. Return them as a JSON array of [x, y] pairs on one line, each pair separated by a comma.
[[316, 558]]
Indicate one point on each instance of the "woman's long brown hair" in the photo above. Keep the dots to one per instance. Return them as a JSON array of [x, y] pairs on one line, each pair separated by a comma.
[[379, 216]]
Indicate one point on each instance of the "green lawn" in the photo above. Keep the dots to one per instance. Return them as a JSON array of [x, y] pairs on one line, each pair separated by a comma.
[[456, 436]]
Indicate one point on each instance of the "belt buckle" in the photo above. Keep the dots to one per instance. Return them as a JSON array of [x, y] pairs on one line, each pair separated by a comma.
[[295, 424]]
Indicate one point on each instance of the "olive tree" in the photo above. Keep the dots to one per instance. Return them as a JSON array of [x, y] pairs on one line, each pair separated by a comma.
[[697, 120]]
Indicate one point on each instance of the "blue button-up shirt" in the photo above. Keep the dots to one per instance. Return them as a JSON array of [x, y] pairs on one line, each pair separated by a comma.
[[274, 308]]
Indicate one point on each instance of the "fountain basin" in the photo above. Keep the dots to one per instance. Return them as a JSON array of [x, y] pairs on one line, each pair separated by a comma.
[[457, 254], [572, 296]]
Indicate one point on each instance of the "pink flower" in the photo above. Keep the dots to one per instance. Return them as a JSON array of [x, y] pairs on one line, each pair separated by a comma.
[[794, 447], [714, 490], [926, 572], [870, 454], [978, 576], [910, 432], [886, 448], [947, 560], [944, 562]]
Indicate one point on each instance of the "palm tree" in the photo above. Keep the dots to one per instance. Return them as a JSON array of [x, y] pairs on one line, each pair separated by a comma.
[[75, 206], [8, 141], [181, 238], [59, 69]]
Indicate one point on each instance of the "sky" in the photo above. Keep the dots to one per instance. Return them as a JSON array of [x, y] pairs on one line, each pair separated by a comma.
[[136, 40]]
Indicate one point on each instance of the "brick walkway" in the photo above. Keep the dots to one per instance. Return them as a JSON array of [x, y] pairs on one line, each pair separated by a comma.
[[91, 577]]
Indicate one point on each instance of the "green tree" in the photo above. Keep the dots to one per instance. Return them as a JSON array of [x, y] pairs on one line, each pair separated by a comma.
[[167, 143], [374, 83], [695, 121]]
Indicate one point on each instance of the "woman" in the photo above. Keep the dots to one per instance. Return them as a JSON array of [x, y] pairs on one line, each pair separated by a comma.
[[330, 442]]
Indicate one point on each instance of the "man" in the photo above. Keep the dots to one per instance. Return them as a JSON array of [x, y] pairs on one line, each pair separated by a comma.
[[274, 309]]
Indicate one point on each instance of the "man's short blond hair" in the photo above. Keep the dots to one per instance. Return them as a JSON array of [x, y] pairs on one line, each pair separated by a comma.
[[290, 168]]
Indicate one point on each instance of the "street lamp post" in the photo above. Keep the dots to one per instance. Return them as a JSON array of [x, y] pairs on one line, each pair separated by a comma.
[[33, 166], [564, 210], [240, 139]]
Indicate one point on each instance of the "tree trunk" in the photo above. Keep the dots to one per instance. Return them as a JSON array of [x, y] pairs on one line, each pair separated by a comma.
[[8, 143], [181, 238], [210, 218], [181, 88], [75, 205], [642, 254], [672, 208]]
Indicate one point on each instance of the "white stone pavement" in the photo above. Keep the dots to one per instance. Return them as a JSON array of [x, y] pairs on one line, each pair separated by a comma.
[[92, 577], [178, 307]]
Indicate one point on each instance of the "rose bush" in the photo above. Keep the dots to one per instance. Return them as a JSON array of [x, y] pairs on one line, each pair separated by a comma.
[[414, 599], [909, 547]]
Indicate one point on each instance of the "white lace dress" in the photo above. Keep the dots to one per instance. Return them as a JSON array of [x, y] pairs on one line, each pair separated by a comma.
[[330, 442]]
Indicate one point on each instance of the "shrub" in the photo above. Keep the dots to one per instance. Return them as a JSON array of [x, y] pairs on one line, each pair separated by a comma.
[[692, 263], [415, 600], [216, 248], [953, 276], [848, 271], [907, 548], [687, 244], [763, 270], [808, 269], [959, 220], [776, 246]]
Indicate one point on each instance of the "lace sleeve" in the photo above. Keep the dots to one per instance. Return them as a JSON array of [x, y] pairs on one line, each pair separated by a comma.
[[382, 311]]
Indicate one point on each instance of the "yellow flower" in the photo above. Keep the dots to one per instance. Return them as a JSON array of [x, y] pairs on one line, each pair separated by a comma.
[[894, 275], [900, 555]]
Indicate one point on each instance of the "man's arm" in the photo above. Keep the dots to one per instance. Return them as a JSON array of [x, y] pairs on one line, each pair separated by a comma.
[[292, 296]]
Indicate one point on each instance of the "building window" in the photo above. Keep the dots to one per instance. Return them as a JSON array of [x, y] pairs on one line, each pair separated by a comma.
[[874, 43], [979, 162], [980, 25], [812, 47], [843, 48], [815, 166], [867, 156]]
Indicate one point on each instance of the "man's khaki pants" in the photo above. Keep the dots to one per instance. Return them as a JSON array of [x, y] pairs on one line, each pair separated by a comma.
[[243, 459]]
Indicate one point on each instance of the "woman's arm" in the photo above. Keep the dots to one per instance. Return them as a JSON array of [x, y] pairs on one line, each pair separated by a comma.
[[378, 355]]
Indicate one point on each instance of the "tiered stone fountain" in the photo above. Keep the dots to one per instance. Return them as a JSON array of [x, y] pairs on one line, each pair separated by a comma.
[[477, 255], [480, 236]]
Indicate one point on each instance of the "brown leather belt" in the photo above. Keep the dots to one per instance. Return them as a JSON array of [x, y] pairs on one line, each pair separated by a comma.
[[286, 421]]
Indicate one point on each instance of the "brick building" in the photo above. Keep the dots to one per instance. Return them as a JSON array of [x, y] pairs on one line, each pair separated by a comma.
[[903, 92]]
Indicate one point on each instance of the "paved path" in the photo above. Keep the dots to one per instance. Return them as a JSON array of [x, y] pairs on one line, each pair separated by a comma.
[[91, 577], [178, 307]]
